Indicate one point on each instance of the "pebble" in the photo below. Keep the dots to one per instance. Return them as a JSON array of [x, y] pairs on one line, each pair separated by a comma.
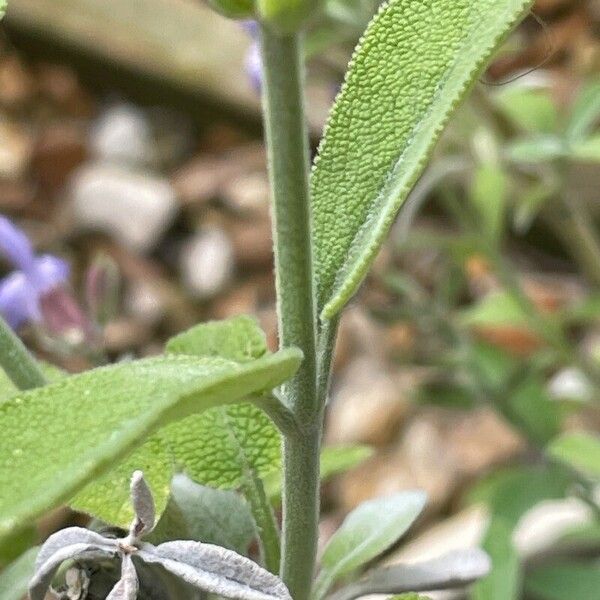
[[368, 405], [122, 134], [207, 263], [134, 207], [16, 147]]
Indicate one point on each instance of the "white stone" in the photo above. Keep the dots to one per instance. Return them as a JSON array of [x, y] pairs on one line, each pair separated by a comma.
[[135, 208], [122, 134], [207, 263]]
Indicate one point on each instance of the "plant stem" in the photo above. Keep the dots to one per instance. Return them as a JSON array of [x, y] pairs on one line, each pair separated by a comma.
[[287, 144], [16, 360], [262, 511]]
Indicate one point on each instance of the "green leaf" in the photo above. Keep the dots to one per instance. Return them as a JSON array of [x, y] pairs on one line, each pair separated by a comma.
[[510, 493], [537, 149], [225, 442], [14, 579], [414, 65], [530, 409], [366, 532], [579, 450], [2, 8], [575, 581], [488, 195], [59, 437], [496, 308], [238, 338], [504, 580], [586, 111], [587, 150], [531, 110], [203, 514], [214, 448]]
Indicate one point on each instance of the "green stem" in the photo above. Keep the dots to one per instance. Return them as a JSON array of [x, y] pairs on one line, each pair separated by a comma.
[[16, 360], [287, 144], [262, 511]]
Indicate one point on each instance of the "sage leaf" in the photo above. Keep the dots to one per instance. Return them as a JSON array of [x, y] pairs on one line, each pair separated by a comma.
[[44, 572], [414, 65], [216, 570], [204, 566], [73, 430], [199, 513], [215, 448], [14, 578], [579, 450], [366, 532], [143, 505], [454, 570], [127, 587]]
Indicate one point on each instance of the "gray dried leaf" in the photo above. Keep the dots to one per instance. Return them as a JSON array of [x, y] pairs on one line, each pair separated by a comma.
[[206, 567], [223, 563], [244, 584], [127, 587], [45, 572], [143, 506], [68, 537], [453, 570]]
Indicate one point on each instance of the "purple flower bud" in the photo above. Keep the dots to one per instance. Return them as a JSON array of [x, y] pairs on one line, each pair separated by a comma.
[[254, 67], [36, 290], [251, 28], [18, 300]]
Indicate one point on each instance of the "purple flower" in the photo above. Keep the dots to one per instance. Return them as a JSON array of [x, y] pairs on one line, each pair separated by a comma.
[[253, 62], [35, 277]]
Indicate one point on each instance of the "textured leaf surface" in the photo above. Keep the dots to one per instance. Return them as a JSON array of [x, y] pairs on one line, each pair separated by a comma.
[[366, 532], [216, 570], [239, 338], [214, 448], [202, 514], [57, 438], [580, 450], [411, 70], [220, 445]]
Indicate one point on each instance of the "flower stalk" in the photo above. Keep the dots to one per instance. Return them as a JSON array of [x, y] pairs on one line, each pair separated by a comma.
[[288, 152]]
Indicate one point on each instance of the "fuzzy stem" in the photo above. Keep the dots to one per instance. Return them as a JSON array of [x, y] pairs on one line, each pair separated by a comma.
[[287, 144], [266, 524], [16, 360]]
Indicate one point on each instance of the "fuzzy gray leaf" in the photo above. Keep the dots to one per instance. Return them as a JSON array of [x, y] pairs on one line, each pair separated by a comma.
[[127, 587], [68, 537], [452, 570], [216, 570], [143, 505], [44, 573]]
